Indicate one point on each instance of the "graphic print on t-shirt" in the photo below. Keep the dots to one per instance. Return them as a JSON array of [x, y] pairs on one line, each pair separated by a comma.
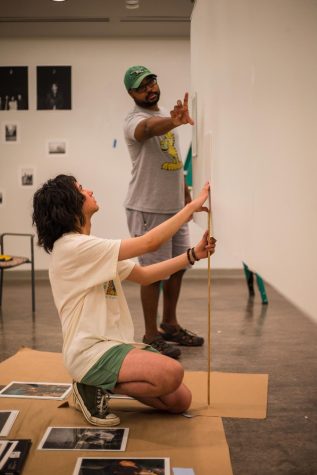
[[167, 144], [110, 289]]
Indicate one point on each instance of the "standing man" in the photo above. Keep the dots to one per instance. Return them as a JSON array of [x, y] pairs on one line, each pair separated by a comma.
[[157, 191]]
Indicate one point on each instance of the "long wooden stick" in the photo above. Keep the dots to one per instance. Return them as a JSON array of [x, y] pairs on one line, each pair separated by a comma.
[[209, 304]]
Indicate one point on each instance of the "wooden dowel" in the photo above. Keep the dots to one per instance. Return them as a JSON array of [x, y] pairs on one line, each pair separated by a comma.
[[209, 312]]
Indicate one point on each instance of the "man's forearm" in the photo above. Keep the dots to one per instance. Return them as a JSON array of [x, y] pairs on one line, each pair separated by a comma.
[[155, 126]]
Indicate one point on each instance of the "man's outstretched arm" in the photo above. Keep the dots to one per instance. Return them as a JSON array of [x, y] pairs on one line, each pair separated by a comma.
[[154, 126]]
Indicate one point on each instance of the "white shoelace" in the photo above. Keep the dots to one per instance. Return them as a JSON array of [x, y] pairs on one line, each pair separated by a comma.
[[102, 402]]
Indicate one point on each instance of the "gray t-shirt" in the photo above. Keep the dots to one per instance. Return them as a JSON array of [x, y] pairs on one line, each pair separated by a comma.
[[157, 183]]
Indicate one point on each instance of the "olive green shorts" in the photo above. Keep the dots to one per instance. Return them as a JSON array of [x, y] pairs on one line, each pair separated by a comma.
[[105, 372]]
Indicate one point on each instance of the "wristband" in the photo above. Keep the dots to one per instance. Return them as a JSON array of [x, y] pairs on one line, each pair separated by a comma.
[[194, 255], [188, 257]]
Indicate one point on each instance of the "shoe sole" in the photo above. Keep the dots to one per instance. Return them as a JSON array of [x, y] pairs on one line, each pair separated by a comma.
[[175, 355], [91, 419], [183, 344], [170, 352]]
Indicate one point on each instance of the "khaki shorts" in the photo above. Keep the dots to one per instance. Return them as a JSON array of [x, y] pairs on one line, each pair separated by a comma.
[[104, 373], [139, 223]]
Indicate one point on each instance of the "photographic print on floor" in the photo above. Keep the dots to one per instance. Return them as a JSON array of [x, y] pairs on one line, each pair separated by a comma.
[[84, 438], [6, 449], [7, 418], [36, 390], [54, 88], [14, 88], [129, 465]]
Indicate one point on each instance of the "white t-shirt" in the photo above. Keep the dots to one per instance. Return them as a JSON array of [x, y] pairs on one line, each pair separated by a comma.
[[85, 276]]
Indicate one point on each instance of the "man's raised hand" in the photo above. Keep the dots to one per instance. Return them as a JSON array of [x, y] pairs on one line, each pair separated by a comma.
[[180, 114]]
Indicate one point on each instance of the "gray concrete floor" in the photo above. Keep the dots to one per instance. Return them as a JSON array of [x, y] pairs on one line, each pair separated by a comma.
[[247, 337]]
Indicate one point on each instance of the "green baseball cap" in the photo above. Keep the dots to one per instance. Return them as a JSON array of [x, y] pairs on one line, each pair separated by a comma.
[[135, 75]]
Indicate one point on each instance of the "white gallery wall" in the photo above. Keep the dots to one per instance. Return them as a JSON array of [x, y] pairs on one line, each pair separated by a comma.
[[91, 128], [254, 69]]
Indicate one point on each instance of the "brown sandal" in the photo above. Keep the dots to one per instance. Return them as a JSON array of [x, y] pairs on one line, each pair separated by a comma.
[[181, 336]]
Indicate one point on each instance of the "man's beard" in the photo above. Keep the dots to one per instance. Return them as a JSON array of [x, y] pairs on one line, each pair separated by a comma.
[[147, 104]]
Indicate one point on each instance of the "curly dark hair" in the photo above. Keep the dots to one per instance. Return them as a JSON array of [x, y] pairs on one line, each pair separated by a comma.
[[57, 209]]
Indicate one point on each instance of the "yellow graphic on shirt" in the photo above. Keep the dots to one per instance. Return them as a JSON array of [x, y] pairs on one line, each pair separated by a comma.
[[110, 289], [167, 144]]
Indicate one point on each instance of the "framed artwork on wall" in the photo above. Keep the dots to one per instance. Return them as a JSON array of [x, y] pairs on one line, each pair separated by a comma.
[[57, 148], [54, 88], [10, 132], [27, 177], [14, 88]]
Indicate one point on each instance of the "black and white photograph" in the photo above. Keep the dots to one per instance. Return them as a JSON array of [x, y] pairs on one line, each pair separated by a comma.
[[7, 418], [57, 148], [54, 88], [84, 438], [36, 390], [3, 444], [14, 88], [6, 449], [122, 466], [10, 132], [26, 177]]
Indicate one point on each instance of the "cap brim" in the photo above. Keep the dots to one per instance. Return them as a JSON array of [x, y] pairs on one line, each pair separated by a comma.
[[140, 79]]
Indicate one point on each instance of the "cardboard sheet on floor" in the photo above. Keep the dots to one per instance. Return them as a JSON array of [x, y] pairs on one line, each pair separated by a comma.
[[231, 394], [197, 443]]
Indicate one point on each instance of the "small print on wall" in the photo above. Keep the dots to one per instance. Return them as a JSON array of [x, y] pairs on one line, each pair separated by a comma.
[[57, 148], [14, 88], [27, 177], [54, 87], [10, 132], [2, 198]]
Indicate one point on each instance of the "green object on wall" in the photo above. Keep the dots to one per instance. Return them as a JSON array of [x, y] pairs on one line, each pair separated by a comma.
[[188, 168]]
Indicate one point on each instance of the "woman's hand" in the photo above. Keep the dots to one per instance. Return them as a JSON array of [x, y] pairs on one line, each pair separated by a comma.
[[206, 245], [197, 203]]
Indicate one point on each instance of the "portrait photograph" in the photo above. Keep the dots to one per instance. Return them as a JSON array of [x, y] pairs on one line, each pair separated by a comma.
[[115, 466], [36, 390], [26, 179], [14, 88], [7, 418], [57, 148], [10, 132], [84, 438], [54, 88]]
